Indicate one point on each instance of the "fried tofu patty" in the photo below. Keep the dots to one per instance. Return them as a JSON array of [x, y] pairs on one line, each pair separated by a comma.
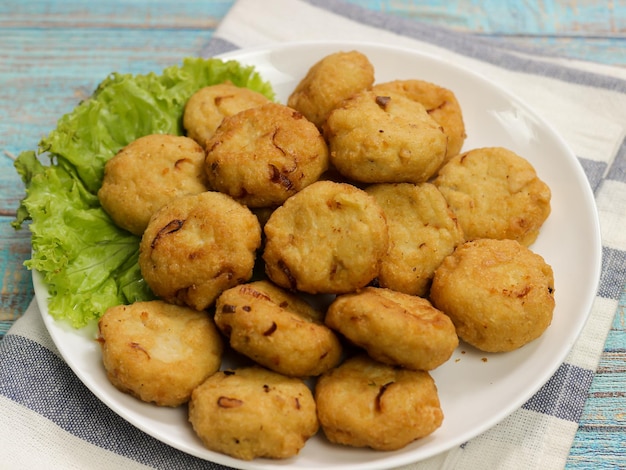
[[498, 293], [206, 108], [440, 103], [148, 173], [158, 352], [277, 329], [328, 82], [394, 328], [422, 232], [253, 412], [495, 193], [263, 155], [364, 403], [384, 139], [329, 238], [198, 246]]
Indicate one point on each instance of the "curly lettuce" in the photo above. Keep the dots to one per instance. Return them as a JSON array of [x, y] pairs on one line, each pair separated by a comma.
[[87, 262]]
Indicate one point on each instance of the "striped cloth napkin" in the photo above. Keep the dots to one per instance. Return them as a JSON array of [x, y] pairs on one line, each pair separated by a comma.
[[50, 420]]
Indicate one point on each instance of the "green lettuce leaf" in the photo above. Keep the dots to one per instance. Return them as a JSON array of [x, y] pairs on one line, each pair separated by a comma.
[[87, 262]]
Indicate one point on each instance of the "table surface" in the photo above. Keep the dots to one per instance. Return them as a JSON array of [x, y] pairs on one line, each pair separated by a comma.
[[53, 53]]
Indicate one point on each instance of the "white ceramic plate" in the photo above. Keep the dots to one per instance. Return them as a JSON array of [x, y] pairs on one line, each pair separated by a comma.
[[477, 390]]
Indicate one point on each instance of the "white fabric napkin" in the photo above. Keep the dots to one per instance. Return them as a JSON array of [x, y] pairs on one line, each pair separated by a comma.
[[49, 419]]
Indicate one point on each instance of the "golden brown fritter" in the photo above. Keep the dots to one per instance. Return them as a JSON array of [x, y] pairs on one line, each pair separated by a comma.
[[206, 108], [384, 139], [158, 352], [328, 82], [498, 293], [263, 155], [277, 329], [495, 193], [198, 246], [364, 403], [328, 238], [148, 173], [252, 412], [440, 103], [422, 232], [394, 328]]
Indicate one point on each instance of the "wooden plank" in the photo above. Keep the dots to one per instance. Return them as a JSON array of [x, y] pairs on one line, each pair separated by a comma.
[[600, 437], [541, 18], [118, 14], [58, 86], [583, 18], [579, 29], [17, 290]]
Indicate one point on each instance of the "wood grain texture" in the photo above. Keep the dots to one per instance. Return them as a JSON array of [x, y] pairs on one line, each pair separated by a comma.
[[54, 53], [16, 291], [521, 17], [601, 438], [579, 29]]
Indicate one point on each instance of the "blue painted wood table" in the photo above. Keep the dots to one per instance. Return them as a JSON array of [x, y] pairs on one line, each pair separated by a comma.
[[53, 54]]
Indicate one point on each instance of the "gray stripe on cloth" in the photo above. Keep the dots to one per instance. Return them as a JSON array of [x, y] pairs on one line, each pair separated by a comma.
[[594, 171], [617, 171], [217, 46], [35, 378], [564, 395], [613, 273]]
